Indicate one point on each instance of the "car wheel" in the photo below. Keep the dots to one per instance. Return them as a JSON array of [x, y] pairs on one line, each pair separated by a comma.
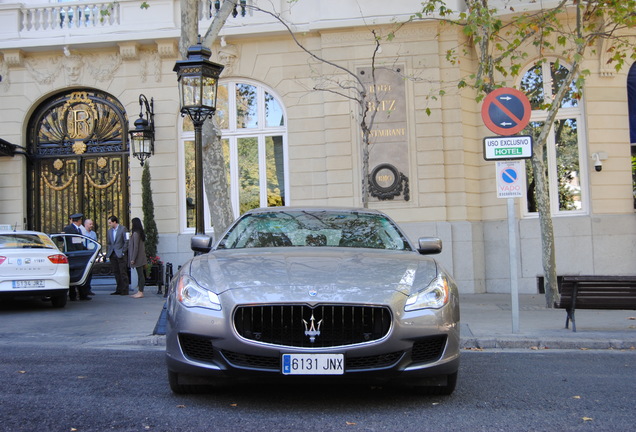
[[173, 379], [446, 390], [59, 301]]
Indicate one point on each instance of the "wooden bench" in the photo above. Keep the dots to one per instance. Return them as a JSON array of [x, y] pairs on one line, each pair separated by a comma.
[[595, 292]]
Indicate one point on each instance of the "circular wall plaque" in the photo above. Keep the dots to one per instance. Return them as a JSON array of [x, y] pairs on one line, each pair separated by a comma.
[[386, 182]]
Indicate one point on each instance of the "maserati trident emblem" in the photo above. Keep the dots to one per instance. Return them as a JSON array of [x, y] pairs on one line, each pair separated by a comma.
[[312, 329]]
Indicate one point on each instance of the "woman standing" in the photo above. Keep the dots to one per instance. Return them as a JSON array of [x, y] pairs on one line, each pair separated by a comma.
[[137, 254]]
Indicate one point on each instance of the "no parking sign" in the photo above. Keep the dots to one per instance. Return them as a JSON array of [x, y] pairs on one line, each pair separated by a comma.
[[511, 179]]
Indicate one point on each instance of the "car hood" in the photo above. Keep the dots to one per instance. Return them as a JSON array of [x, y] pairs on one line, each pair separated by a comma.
[[312, 274]]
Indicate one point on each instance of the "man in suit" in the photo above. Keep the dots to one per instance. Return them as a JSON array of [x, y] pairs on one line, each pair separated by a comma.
[[73, 244], [117, 241]]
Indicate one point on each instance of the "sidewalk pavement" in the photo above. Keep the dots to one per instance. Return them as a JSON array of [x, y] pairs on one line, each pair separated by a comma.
[[486, 322]]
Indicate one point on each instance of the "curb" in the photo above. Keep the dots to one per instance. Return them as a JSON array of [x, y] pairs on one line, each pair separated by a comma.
[[543, 343]]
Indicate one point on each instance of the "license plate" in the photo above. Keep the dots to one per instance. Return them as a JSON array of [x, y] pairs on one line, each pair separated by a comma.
[[28, 284], [313, 364]]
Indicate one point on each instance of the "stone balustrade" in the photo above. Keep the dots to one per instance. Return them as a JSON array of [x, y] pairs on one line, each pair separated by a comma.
[[55, 16]]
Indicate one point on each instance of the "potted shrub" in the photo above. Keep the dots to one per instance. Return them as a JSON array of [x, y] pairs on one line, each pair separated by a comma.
[[154, 268]]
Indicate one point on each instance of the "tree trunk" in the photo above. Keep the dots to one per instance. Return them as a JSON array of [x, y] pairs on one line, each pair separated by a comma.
[[189, 25], [214, 172], [545, 221], [215, 179]]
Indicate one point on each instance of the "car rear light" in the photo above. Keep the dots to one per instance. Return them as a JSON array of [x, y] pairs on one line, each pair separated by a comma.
[[2, 259], [58, 259]]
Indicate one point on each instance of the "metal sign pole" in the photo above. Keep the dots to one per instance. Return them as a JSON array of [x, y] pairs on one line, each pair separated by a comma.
[[506, 111], [514, 260]]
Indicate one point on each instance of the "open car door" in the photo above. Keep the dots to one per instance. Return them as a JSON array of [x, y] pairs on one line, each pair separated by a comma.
[[81, 252]]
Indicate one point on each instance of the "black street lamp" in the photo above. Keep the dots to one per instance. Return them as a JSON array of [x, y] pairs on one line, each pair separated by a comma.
[[142, 138], [198, 80]]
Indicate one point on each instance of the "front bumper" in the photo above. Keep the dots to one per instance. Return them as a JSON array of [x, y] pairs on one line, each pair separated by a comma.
[[421, 349]]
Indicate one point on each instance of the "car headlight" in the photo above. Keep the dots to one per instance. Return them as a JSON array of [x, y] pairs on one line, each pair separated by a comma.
[[190, 294], [434, 296]]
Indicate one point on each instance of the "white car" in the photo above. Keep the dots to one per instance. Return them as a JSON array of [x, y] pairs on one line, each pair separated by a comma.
[[34, 264]]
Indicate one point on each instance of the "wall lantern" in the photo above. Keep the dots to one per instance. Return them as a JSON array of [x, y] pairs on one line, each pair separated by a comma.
[[198, 80], [142, 137]]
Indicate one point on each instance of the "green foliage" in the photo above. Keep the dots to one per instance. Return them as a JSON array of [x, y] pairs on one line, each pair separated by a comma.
[[504, 38], [148, 209]]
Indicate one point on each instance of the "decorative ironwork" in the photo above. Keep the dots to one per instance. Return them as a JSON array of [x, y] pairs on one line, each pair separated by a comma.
[[6, 148], [82, 122], [57, 169], [79, 151], [386, 182]]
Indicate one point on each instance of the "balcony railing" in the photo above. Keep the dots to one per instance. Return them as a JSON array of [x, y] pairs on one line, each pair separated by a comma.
[[69, 15], [34, 25]]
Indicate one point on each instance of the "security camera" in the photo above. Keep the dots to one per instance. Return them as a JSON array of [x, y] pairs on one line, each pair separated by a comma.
[[598, 165]]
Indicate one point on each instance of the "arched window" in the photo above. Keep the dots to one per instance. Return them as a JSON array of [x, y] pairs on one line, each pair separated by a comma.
[[565, 153], [254, 135]]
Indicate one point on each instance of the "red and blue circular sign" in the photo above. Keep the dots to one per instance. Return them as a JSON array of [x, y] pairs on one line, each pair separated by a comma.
[[506, 111], [509, 175]]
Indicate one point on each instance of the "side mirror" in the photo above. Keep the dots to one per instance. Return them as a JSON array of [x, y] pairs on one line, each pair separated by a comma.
[[429, 245], [201, 243]]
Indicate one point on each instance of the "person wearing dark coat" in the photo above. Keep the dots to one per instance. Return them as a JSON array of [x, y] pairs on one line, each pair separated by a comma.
[[73, 244], [137, 255]]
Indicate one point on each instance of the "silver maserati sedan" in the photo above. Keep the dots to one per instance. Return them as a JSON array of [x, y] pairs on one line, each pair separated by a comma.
[[291, 294]]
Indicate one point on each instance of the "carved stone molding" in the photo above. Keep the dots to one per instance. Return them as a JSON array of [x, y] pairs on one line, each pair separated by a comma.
[[13, 57], [103, 67], [129, 50], [149, 64], [167, 48], [227, 56], [43, 70]]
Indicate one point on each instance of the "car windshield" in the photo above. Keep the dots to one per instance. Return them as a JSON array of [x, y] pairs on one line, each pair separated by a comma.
[[315, 228], [25, 241]]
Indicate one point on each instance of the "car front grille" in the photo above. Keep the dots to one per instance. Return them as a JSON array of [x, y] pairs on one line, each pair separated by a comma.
[[273, 363], [428, 349], [312, 327]]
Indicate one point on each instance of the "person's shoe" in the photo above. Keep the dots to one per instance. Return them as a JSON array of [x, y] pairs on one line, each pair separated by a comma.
[[91, 293], [72, 299], [139, 294], [123, 293], [85, 299], [114, 293]]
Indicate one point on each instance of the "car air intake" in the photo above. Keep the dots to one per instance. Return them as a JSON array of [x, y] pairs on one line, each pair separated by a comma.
[[312, 327], [197, 347], [428, 349]]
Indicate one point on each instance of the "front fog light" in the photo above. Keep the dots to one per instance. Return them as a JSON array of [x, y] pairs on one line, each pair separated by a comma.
[[434, 296]]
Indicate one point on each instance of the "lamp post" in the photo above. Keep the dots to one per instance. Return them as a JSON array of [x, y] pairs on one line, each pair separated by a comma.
[[142, 137], [198, 80]]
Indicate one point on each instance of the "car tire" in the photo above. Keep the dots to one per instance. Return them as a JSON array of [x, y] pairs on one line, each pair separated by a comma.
[[59, 301], [173, 379], [446, 390]]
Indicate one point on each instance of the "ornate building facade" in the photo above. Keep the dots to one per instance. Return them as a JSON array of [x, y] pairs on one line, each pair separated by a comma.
[[72, 72]]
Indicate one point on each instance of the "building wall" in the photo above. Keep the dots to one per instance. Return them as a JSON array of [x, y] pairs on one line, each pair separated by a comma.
[[453, 192]]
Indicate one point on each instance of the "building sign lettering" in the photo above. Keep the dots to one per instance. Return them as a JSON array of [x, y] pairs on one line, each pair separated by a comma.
[[388, 152]]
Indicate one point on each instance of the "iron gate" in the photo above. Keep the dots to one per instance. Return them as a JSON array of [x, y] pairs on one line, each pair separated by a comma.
[[78, 161]]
